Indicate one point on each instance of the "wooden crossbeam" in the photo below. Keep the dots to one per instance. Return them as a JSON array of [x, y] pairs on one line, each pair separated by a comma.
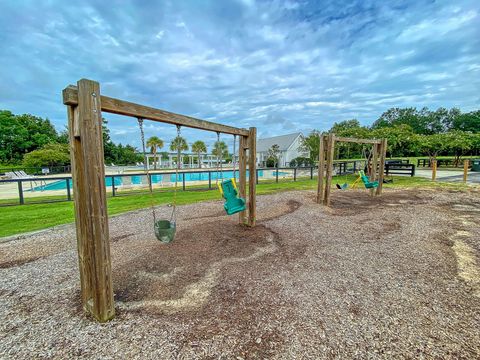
[[122, 107], [358, 141]]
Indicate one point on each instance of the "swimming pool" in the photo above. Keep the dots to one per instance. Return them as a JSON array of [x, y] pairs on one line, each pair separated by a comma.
[[142, 180]]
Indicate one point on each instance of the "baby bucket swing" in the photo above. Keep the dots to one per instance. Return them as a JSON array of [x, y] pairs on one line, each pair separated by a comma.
[[164, 229], [228, 188]]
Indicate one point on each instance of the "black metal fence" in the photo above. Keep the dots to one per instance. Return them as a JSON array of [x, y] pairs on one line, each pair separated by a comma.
[[440, 162], [137, 183], [37, 170]]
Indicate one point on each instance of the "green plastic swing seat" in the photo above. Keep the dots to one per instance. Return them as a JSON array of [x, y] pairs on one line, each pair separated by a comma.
[[165, 230], [233, 204], [366, 181]]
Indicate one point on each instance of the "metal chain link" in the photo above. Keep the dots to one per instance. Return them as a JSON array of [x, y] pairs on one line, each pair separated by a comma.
[[142, 134], [174, 210], [234, 149]]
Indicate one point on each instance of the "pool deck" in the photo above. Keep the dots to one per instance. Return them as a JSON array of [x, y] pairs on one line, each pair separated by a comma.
[[10, 190]]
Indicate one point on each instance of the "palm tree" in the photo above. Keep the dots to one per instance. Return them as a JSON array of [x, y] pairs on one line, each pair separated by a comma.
[[179, 144], [199, 147], [220, 149], [154, 143]]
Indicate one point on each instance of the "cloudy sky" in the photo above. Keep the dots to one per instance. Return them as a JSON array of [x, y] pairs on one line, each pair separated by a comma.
[[281, 65]]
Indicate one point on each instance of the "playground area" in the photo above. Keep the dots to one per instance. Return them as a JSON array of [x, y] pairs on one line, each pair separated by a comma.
[[390, 276]]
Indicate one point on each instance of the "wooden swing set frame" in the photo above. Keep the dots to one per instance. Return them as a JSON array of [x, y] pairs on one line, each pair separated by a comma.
[[84, 108], [325, 163]]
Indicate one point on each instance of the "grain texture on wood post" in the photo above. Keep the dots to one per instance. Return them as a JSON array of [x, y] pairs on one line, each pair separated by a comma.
[[373, 175], [252, 175], [383, 156], [242, 174], [329, 172], [321, 168], [88, 172]]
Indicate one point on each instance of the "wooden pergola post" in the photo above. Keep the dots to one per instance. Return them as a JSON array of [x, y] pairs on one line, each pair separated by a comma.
[[252, 176], [321, 168], [242, 174], [88, 173]]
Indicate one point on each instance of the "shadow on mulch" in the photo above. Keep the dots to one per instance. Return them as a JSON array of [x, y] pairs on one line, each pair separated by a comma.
[[164, 271], [351, 202], [18, 262]]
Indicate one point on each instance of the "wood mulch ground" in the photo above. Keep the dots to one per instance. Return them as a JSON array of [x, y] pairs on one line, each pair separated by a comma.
[[390, 277]]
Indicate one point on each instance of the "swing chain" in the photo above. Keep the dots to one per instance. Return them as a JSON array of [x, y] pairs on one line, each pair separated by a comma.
[[233, 157], [173, 216], [149, 179], [219, 159]]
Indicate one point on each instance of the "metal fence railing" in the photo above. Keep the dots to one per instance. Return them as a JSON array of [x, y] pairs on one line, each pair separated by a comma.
[[45, 189]]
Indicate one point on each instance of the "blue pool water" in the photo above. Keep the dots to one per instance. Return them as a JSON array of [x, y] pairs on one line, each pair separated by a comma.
[[138, 180]]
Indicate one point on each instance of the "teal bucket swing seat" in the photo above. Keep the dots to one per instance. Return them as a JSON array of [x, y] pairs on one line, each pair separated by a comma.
[[366, 181], [233, 204]]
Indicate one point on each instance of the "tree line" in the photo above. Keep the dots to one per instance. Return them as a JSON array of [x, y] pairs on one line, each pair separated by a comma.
[[32, 141], [409, 132]]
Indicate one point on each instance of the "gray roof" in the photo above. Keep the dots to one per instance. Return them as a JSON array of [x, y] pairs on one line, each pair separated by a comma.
[[283, 141]]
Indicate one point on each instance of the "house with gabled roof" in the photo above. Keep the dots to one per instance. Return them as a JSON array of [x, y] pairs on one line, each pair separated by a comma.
[[290, 146]]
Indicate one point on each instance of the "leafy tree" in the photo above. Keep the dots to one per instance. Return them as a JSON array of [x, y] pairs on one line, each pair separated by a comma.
[[301, 161], [220, 149], [432, 145], [199, 147], [458, 143], [53, 154], [311, 144], [273, 154], [154, 143], [467, 122], [345, 126], [422, 122], [400, 139], [63, 137], [20, 134], [350, 128], [118, 154]]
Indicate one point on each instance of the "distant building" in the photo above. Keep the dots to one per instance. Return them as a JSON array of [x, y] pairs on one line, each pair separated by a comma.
[[290, 147]]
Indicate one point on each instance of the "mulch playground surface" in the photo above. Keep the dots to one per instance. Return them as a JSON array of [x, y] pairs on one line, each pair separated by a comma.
[[390, 277]]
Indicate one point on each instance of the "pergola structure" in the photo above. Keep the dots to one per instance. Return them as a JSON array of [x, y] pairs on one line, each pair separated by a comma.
[[84, 107], [325, 163], [204, 158]]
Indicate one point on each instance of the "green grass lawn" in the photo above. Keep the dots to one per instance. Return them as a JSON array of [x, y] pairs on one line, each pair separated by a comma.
[[26, 218]]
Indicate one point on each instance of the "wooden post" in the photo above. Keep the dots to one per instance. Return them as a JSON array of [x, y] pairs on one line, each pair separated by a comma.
[[321, 168], [242, 174], [373, 175], [383, 156], [88, 173], [252, 183], [465, 170], [434, 170], [329, 173]]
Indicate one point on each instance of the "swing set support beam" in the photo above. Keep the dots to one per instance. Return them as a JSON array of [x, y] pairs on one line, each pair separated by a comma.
[[326, 157], [122, 107], [84, 109]]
